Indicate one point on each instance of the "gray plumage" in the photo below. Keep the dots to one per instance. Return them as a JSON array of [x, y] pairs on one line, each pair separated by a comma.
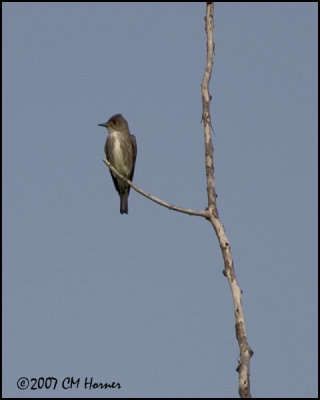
[[121, 152]]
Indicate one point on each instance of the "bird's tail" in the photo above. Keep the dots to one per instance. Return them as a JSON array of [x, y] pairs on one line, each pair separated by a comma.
[[124, 203]]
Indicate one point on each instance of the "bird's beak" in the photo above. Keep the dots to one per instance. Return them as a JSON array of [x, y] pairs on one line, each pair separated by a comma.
[[104, 125]]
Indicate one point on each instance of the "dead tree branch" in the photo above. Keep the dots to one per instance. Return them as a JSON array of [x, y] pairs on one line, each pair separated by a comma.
[[198, 213], [245, 350]]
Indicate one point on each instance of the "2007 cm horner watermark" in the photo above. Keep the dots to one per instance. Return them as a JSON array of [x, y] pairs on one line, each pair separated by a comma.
[[67, 383]]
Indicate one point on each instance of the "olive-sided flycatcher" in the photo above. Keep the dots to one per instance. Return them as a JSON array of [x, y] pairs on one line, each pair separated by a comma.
[[121, 152]]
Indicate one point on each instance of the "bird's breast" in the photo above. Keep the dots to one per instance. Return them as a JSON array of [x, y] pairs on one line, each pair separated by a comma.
[[119, 154]]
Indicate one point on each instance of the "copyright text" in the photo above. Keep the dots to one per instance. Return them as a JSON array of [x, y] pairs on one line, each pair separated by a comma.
[[51, 383]]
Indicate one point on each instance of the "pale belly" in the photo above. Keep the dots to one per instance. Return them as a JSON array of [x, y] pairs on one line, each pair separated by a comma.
[[119, 159]]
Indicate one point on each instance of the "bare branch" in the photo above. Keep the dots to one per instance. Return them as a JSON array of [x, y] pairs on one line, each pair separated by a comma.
[[229, 272], [198, 213], [206, 117]]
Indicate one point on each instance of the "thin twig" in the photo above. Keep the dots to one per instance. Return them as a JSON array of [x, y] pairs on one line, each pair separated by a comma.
[[198, 213]]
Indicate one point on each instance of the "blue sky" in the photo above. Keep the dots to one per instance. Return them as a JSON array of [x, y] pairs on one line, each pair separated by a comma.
[[141, 299]]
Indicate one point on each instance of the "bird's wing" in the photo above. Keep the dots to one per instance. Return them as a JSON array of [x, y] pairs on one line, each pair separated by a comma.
[[134, 146]]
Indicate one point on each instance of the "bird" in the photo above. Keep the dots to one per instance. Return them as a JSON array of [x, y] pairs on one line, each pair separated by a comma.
[[121, 152]]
